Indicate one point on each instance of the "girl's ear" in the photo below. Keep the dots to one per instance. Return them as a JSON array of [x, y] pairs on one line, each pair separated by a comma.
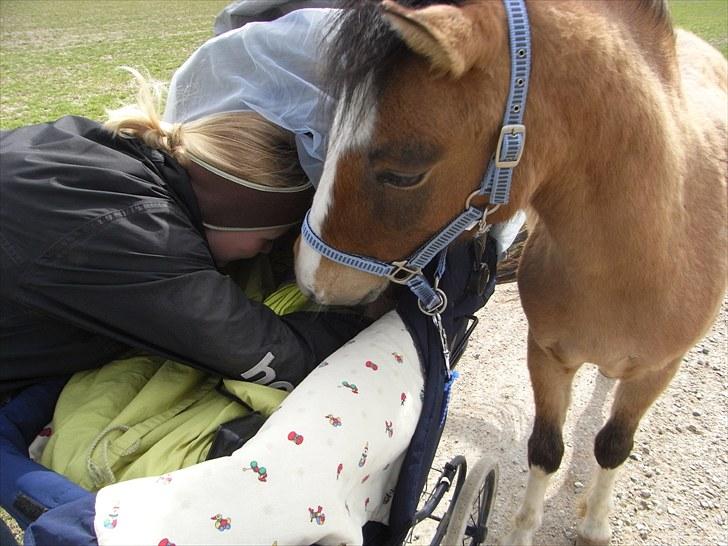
[[448, 36]]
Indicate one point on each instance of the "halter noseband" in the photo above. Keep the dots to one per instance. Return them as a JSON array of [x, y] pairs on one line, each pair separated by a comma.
[[496, 183]]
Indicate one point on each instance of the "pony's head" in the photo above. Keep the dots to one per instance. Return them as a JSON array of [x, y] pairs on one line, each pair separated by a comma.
[[422, 92]]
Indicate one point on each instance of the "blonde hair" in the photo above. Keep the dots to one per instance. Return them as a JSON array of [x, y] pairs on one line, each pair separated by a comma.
[[243, 144]]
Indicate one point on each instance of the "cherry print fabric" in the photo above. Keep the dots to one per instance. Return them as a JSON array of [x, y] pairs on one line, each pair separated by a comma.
[[324, 463]]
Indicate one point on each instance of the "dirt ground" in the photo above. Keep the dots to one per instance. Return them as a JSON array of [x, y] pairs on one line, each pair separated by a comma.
[[672, 489]]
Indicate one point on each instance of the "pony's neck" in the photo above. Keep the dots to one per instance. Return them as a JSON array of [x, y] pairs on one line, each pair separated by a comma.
[[599, 122]]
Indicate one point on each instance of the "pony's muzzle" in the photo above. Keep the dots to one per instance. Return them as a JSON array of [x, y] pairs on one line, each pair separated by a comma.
[[330, 283]]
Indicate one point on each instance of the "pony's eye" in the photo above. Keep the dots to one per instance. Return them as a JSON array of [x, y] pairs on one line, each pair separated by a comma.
[[399, 180]]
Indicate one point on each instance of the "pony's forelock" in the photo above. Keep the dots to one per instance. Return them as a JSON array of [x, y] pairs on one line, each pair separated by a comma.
[[364, 48]]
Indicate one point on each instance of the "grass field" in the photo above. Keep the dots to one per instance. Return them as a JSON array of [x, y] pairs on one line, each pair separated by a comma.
[[61, 57], [706, 18]]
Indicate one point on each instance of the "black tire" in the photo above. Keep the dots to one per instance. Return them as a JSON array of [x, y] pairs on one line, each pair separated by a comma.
[[469, 519], [457, 482]]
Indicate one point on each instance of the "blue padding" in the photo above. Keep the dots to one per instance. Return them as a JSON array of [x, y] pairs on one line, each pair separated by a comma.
[[423, 445], [71, 524], [27, 488], [421, 452]]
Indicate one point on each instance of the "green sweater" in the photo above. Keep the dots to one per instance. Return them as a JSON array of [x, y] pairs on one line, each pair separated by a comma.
[[142, 416], [145, 416]]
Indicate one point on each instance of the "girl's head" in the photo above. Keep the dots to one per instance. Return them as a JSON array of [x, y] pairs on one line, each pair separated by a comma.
[[243, 169]]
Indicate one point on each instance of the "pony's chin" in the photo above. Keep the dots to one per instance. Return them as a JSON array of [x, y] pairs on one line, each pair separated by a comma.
[[330, 283], [342, 295], [373, 295], [325, 297]]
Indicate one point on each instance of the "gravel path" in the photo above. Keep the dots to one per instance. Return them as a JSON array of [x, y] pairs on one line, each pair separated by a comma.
[[672, 489]]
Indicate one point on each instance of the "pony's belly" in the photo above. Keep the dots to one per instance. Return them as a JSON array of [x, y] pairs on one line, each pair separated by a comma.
[[619, 321], [615, 357], [621, 340]]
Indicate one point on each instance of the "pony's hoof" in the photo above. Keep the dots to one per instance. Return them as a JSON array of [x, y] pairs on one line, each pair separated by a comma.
[[581, 540], [517, 538], [593, 532]]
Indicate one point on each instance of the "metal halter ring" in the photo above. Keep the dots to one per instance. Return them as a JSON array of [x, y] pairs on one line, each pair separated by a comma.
[[476, 193], [439, 308]]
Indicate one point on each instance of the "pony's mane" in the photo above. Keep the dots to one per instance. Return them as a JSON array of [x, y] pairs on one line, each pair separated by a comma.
[[656, 33], [656, 13], [657, 10], [364, 47]]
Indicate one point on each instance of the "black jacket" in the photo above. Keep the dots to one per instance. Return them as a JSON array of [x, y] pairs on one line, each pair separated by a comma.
[[102, 250]]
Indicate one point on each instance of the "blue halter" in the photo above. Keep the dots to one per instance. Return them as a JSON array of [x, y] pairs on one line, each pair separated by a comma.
[[496, 183]]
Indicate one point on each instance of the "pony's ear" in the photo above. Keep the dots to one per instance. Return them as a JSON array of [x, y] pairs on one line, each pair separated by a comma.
[[444, 34]]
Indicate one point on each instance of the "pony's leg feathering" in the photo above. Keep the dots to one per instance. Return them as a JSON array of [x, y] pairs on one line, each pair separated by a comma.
[[551, 380], [528, 518], [613, 445], [596, 506]]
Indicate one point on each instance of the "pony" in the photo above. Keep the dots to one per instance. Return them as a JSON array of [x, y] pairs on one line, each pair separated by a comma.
[[623, 177]]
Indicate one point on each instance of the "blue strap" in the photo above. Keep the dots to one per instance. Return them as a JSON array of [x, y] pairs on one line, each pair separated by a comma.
[[430, 299], [408, 273], [498, 175], [441, 265], [454, 375], [496, 182], [362, 263], [461, 223], [416, 281]]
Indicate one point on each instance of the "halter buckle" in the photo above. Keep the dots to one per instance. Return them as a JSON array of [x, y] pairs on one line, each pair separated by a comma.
[[402, 273], [509, 130]]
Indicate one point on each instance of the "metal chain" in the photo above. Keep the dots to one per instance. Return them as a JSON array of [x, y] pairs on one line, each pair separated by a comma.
[[437, 320]]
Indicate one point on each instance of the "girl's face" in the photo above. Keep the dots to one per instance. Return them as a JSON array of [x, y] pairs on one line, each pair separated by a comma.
[[228, 246]]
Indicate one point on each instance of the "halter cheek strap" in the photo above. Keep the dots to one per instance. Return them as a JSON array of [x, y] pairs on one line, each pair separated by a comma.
[[498, 175], [496, 183]]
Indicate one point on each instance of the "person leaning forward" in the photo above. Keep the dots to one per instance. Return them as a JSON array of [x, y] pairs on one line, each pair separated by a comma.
[[111, 239]]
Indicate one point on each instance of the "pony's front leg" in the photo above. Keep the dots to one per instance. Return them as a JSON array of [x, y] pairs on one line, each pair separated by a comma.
[[613, 445], [551, 382], [595, 507]]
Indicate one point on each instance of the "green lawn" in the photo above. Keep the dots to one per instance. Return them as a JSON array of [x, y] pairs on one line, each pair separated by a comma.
[[706, 18], [61, 57]]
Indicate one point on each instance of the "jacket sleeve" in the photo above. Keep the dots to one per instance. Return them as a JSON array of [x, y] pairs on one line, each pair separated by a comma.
[[144, 276]]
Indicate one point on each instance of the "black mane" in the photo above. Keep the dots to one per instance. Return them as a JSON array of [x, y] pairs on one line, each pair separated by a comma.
[[364, 46]]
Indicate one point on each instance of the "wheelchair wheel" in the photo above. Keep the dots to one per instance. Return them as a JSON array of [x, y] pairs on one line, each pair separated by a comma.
[[469, 519]]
